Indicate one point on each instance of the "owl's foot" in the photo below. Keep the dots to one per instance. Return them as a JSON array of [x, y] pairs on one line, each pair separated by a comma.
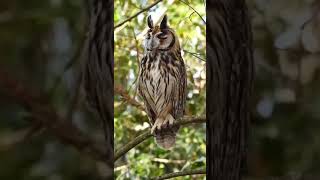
[[169, 120], [160, 122], [157, 124]]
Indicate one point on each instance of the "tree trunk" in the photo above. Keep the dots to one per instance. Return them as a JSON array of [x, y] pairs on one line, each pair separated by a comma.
[[229, 77], [98, 68]]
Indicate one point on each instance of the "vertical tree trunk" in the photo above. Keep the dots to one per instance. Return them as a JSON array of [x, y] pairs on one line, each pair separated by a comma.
[[98, 68], [229, 77]]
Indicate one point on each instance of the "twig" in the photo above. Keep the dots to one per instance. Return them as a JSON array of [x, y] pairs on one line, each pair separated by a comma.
[[194, 55], [182, 173], [135, 15], [120, 90], [146, 134], [194, 11], [169, 161], [138, 60]]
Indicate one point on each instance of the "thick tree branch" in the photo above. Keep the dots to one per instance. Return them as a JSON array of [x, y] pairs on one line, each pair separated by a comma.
[[146, 134], [120, 152], [43, 113], [183, 173], [135, 15]]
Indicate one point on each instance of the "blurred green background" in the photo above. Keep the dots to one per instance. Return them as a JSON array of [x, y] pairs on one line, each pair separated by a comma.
[[285, 133], [41, 45]]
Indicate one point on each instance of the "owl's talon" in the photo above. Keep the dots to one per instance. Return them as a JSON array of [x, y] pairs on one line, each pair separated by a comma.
[[157, 125], [170, 119], [165, 122], [162, 123], [153, 128]]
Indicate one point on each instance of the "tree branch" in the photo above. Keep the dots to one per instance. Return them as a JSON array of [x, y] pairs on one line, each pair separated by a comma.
[[146, 134], [194, 11], [194, 55], [120, 90], [43, 113], [135, 15], [183, 173]]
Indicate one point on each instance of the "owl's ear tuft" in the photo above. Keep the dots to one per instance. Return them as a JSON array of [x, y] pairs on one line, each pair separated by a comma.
[[150, 22], [163, 24]]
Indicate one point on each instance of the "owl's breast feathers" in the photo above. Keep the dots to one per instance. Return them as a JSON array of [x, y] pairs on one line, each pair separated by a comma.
[[162, 84]]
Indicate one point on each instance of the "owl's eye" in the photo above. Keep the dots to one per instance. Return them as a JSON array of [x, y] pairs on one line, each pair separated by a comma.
[[162, 36]]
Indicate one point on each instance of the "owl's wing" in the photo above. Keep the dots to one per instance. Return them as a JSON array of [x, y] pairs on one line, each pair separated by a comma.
[[180, 93], [148, 108]]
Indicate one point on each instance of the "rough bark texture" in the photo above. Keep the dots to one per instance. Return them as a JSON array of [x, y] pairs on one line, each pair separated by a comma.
[[98, 68], [229, 78]]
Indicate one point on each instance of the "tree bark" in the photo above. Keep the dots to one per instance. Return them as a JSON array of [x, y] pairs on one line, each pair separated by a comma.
[[98, 68], [229, 82]]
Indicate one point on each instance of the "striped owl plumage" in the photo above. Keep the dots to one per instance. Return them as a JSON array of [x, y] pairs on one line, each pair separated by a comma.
[[162, 82]]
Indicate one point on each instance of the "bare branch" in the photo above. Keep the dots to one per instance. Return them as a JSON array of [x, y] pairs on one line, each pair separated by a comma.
[[166, 161], [182, 173], [138, 60], [120, 90], [194, 11], [146, 134], [135, 15], [194, 55]]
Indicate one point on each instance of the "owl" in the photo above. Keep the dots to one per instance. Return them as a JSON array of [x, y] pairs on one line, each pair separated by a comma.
[[162, 82]]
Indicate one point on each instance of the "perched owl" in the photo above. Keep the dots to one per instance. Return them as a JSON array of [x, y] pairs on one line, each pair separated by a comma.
[[162, 82]]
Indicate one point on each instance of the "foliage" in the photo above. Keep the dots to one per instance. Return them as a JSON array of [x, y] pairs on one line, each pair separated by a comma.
[[143, 161]]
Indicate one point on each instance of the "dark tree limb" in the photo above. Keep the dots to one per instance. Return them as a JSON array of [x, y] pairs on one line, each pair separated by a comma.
[[136, 14], [182, 173], [229, 78], [43, 114], [146, 134]]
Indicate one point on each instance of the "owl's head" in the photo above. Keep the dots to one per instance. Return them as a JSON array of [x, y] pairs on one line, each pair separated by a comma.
[[160, 37]]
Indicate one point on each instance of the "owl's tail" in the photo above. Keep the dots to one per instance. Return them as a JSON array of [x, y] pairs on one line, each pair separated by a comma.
[[165, 140]]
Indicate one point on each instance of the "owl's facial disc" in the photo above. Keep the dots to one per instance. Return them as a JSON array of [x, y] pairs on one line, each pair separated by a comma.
[[159, 39]]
